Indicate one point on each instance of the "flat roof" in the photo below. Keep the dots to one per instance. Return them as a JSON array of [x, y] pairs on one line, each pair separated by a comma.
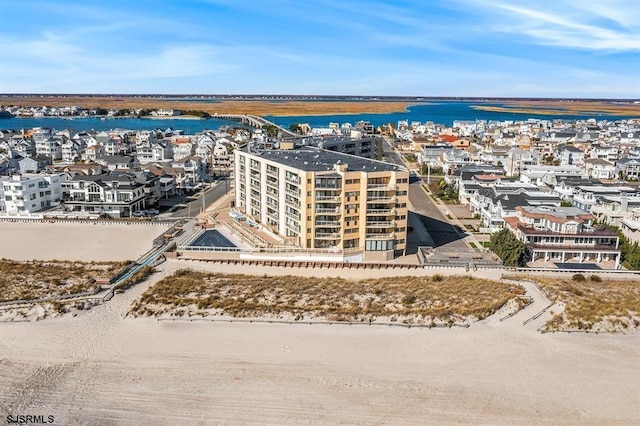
[[318, 160]]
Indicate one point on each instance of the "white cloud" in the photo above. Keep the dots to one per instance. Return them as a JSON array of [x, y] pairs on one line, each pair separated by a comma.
[[566, 26]]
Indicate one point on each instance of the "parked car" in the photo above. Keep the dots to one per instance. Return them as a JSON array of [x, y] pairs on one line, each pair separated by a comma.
[[138, 214], [152, 212]]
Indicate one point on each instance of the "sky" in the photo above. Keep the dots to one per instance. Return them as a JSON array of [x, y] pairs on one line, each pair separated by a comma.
[[486, 48]]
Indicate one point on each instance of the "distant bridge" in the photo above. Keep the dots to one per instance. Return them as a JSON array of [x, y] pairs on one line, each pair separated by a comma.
[[254, 121]]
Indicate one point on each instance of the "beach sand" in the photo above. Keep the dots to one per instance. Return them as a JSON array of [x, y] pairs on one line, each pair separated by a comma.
[[101, 367], [76, 241]]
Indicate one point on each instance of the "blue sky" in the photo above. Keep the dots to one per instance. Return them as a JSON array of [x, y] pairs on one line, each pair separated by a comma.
[[546, 48]]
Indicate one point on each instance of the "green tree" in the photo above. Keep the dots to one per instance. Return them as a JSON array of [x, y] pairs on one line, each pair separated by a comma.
[[272, 131], [508, 248], [295, 127], [566, 203]]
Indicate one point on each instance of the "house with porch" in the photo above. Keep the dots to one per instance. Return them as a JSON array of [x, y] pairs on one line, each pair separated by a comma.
[[113, 194], [564, 235]]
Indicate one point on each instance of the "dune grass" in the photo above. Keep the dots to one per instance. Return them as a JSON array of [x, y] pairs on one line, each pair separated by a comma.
[[593, 303], [408, 299], [37, 279]]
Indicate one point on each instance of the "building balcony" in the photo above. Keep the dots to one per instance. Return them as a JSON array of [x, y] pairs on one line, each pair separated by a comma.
[[531, 230], [292, 226], [293, 215], [380, 199], [272, 172], [573, 247], [386, 224], [328, 236], [382, 212], [325, 199], [293, 179], [381, 187], [293, 203], [381, 236], [331, 211], [293, 193], [327, 223]]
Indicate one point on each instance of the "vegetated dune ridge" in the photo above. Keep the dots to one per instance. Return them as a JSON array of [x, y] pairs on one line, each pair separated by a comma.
[[594, 304], [101, 367], [557, 107], [407, 299], [223, 106], [28, 280]]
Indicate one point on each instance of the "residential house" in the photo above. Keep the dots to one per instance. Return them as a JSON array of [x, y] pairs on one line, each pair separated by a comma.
[[603, 152], [33, 165], [114, 194], [194, 170], [182, 147], [519, 159], [599, 169], [119, 162], [569, 155], [24, 194], [630, 225], [153, 151], [92, 153], [563, 234], [612, 209], [628, 168], [494, 204], [586, 196]]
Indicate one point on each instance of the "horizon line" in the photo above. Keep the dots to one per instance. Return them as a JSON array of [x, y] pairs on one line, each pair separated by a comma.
[[314, 96]]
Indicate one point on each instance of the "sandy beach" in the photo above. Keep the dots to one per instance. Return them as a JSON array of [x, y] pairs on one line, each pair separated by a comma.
[[98, 241], [101, 367]]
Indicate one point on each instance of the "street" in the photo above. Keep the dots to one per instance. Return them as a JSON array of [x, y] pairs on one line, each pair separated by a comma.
[[444, 234], [209, 195]]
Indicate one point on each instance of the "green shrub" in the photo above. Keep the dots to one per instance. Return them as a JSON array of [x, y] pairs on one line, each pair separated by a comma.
[[595, 278], [578, 278]]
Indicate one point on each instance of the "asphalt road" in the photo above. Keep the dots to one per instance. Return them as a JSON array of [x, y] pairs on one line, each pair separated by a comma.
[[192, 208], [444, 234], [390, 155]]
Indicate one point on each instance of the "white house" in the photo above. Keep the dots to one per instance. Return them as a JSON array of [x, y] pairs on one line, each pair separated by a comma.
[[23, 194]]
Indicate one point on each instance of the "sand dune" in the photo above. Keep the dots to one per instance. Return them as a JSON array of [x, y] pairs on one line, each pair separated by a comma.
[[101, 368]]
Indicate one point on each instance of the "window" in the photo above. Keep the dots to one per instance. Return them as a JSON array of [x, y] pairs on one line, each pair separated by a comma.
[[373, 245]]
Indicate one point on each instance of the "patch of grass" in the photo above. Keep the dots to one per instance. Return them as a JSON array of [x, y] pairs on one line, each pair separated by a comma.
[[416, 298], [596, 304], [38, 279]]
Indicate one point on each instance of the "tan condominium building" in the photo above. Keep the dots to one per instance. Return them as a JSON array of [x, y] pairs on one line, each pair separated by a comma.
[[321, 199]]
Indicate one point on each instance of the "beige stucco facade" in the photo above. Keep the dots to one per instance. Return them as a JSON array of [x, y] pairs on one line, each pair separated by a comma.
[[326, 204]]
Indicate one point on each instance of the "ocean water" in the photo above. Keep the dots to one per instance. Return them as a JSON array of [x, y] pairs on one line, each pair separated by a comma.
[[444, 112]]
